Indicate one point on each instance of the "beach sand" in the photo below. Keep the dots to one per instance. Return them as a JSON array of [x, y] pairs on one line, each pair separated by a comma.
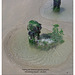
[[19, 12], [65, 13]]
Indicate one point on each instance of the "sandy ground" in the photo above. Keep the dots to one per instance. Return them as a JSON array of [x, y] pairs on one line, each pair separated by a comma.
[[65, 13], [17, 12]]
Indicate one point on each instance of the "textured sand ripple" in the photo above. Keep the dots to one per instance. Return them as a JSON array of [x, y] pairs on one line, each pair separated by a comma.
[[17, 47], [65, 13]]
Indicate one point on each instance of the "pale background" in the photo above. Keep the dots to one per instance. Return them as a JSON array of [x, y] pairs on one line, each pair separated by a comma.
[[16, 12]]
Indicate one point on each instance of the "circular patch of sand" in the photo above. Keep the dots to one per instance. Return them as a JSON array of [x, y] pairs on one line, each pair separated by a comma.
[[17, 47], [65, 13]]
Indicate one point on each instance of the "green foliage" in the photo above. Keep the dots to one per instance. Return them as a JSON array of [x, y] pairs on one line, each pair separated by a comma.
[[34, 23], [55, 29], [56, 9], [45, 43], [32, 41], [56, 25], [61, 32], [34, 30], [56, 36], [62, 41]]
